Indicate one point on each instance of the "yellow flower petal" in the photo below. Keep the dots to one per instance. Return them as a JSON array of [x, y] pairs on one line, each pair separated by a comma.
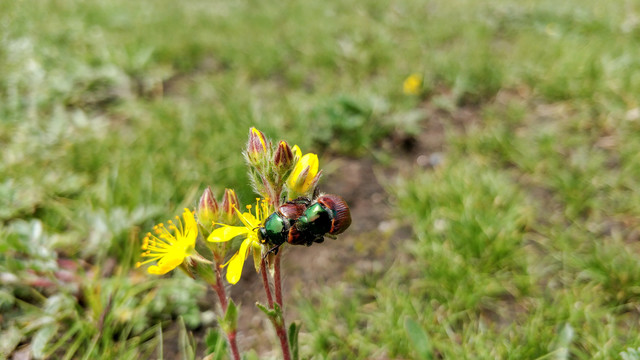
[[167, 263], [248, 220], [155, 270], [296, 151], [168, 246], [257, 255], [300, 180], [190, 227], [260, 136], [170, 261], [234, 269], [226, 233]]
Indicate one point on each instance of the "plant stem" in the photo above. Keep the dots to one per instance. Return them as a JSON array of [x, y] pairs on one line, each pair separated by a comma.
[[281, 329], [284, 343], [222, 297], [219, 288], [278, 319], [231, 336], [265, 283], [277, 283]]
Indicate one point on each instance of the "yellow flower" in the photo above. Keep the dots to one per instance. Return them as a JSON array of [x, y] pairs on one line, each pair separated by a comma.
[[412, 84], [167, 249], [251, 223], [297, 153], [305, 174]]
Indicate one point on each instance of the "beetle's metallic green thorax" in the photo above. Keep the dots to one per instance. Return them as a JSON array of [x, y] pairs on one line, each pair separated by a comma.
[[315, 220], [275, 229]]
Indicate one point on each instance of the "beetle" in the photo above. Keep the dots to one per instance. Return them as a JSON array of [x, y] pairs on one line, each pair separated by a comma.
[[275, 230], [303, 221]]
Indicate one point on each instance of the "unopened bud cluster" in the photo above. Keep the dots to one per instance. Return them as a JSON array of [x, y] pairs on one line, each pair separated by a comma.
[[279, 169], [210, 213]]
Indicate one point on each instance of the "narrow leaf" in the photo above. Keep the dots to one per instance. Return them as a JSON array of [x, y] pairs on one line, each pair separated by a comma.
[[230, 322], [41, 339], [419, 339], [294, 330]]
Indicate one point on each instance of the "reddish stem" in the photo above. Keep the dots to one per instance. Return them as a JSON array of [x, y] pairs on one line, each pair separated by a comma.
[[277, 283], [219, 288], [278, 323], [222, 297], [265, 282], [284, 343], [280, 330], [233, 344]]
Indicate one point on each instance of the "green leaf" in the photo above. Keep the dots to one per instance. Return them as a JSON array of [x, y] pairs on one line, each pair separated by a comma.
[[41, 339], [270, 313], [563, 342], [204, 270], [230, 322], [419, 339], [630, 354], [186, 342], [294, 330], [216, 345], [9, 339], [160, 343]]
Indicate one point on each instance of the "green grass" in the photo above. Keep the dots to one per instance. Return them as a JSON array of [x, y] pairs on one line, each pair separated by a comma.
[[523, 243]]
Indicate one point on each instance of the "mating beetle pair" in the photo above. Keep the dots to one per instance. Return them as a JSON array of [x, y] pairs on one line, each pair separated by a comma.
[[303, 221]]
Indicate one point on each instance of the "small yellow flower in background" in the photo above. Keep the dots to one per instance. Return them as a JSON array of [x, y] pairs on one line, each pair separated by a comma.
[[251, 242], [412, 85], [305, 174], [167, 249]]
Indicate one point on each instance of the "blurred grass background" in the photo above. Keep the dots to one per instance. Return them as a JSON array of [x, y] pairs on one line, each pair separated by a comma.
[[524, 240]]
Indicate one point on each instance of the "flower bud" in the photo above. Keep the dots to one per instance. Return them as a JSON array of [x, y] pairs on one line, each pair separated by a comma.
[[283, 158], [207, 209], [229, 204], [297, 153], [305, 175], [257, 146]]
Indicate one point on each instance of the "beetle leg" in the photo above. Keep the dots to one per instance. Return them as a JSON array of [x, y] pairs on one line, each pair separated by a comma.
[[273, 250]]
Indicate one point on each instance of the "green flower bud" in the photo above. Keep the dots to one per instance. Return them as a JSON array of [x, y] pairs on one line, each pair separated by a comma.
[[229, 204], [208, 209], [283, 158], [257, 146]]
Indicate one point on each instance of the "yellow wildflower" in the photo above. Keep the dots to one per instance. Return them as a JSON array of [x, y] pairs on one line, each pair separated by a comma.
[[167, 249], [251, 243], [412, 85], [305, 174]]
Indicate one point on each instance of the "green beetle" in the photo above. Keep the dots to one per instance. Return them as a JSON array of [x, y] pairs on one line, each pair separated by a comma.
[[276, 227], [303, 222]]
